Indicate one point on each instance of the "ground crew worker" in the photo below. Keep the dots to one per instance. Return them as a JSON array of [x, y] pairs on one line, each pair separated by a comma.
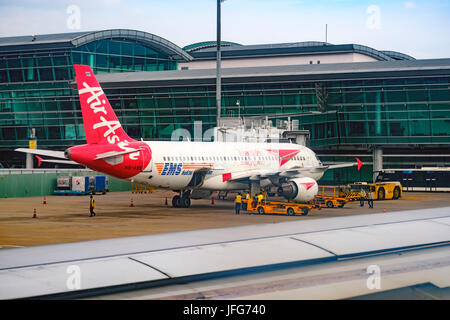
[[92, 206], [370, 201], [246, 202], [238, 201], [260, 198], [362, 196]]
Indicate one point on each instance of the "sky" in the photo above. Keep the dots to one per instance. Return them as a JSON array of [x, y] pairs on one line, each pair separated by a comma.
[[417, 28]]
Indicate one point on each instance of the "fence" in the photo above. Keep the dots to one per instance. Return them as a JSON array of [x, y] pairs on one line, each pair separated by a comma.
[[41, 182]]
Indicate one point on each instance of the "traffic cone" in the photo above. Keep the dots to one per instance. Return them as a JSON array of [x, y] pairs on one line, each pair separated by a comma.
[[212, 200], [45, 201], [131, 203], [166, 202], [34, 214]]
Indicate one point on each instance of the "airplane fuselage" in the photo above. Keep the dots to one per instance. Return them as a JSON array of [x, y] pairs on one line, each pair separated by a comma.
[[176, 165]]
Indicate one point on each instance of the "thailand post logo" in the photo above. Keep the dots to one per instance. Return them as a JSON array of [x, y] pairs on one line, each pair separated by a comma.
[[171, 169], [180, 168]]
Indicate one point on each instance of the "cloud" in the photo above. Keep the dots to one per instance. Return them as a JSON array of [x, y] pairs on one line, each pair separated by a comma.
[[409, 5], [414, 32]]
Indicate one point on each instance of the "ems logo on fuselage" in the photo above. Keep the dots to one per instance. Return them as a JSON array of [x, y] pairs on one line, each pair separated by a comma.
[[171, 169], [180, 168]]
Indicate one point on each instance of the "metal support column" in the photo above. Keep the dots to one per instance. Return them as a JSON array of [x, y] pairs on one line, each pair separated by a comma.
[[377, 161], [218, 71]]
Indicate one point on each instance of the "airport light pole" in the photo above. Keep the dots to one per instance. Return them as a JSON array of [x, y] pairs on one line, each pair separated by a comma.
[[218, 71], [238, 103]]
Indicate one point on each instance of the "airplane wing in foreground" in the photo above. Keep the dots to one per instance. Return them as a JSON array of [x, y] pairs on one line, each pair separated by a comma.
[[327, 258]]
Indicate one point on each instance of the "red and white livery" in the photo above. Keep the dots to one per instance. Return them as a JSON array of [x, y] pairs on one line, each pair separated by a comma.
[[194, 169]]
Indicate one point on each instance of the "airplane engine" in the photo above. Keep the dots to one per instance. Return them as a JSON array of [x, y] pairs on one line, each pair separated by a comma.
[[299, 189]]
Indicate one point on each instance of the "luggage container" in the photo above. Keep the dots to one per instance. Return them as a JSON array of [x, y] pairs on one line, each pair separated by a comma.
[[100, 184]]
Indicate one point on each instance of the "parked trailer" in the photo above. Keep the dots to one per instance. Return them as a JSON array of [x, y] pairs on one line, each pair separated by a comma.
[[277, 207], [100, 184], [331, 197], [81, 185]]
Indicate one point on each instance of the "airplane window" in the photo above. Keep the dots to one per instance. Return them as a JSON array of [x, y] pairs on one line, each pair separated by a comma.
[[164, 158]]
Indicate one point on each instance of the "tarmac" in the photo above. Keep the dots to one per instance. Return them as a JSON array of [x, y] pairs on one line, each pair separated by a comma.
[[66, 218]]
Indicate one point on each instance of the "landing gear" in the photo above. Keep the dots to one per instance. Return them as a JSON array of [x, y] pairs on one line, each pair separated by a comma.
[[183, 200], [176, 201]]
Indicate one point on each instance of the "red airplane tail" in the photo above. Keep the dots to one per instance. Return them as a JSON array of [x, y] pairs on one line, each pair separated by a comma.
[[109, 149], [100, 122]]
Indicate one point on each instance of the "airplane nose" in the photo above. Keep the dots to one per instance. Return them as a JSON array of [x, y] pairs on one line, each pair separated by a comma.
[[67, 153]]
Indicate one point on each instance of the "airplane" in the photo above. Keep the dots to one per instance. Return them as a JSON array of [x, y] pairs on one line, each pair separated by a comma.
[[192, 169]]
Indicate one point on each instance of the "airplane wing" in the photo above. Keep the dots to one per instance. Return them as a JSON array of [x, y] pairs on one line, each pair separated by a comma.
[[325, 258], [286, 173], [345, 165]]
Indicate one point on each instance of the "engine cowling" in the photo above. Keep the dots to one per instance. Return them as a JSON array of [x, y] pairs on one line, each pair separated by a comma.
[[299, 189]]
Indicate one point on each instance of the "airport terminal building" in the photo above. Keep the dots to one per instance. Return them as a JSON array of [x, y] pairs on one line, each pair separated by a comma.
[[354, 100]]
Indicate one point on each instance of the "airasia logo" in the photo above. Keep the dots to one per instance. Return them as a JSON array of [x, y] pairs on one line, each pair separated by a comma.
[[96, 102]]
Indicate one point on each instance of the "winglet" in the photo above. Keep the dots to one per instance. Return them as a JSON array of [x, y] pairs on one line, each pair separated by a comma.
[[39, 160], [360, 163]]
